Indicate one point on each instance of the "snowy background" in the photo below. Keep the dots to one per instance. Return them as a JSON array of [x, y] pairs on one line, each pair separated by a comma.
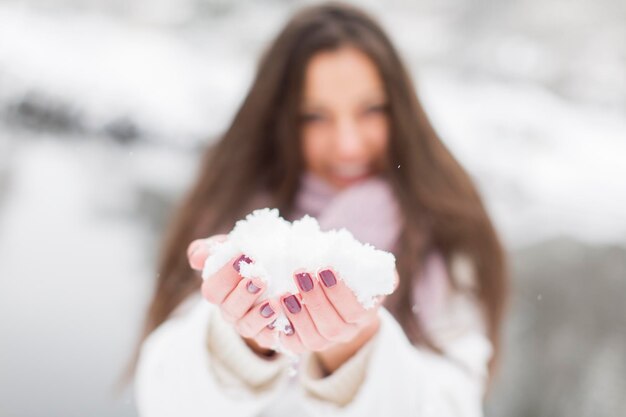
[[105, 106]]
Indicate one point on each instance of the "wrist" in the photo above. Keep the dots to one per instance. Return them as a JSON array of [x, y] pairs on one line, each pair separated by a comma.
[[261, 351], [332, 358]]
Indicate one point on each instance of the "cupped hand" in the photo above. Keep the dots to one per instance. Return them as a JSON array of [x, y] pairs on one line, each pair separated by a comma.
[[325, 313], [236, 297]]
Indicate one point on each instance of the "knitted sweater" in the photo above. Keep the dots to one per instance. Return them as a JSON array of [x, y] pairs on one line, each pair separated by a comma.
[[195, 364]]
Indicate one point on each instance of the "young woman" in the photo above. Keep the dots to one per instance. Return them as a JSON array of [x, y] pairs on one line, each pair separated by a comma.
[[331, 127]]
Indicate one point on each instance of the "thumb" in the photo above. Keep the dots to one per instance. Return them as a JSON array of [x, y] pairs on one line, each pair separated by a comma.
[[200, 249]]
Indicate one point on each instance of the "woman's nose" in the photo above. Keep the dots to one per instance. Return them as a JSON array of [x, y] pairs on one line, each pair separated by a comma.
[[348, 141]]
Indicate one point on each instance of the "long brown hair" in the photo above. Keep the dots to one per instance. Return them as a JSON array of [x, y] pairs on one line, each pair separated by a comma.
[[260, 150]]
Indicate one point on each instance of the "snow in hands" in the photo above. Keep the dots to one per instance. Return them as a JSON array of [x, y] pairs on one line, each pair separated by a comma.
[[279, 249]]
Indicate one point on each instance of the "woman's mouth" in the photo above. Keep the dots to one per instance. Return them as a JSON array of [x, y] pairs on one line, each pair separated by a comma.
[[350, 173]]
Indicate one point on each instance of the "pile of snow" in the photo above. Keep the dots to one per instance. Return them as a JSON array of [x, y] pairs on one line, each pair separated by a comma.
[[279, 248]]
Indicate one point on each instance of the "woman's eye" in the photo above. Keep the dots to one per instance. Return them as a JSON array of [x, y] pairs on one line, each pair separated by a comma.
[[380, 108], [312, 117]]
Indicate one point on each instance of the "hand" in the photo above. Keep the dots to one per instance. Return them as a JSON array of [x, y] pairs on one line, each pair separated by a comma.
[[327, 318], [331, 321], [236, 297]]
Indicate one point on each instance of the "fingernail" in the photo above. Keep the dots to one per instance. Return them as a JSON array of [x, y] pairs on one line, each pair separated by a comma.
[[328, 278], [252, 288], [272, 325], [266, 310], [304, 281], [242, 258], [288, 330], [292, 303]]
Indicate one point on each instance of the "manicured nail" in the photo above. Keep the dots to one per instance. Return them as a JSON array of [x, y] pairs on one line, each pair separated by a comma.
[[266, 310], [328, 278], [252, 288], [242, 258], [288, 330], [292, 303], [304, 281], [272, 325]]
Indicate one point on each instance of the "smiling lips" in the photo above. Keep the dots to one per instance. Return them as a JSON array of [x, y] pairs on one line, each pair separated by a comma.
[[350, 172]]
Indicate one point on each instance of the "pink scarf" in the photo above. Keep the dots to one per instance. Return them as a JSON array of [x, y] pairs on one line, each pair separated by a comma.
[[370, 212]]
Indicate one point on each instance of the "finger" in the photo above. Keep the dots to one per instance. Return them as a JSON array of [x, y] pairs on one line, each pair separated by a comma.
[[216, 287], [200, 249], [327, 321], [396, 280], [241, 299], [302, 323], [255, 320], [267, 338], [341, 297], [291, 341]]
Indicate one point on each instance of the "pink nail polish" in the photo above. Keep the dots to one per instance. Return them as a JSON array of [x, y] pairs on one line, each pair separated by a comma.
[[328, 278], [266, 310], [272, 325], [242, 258], [289, 330], [292, 303], [305, 282], [253, 289]]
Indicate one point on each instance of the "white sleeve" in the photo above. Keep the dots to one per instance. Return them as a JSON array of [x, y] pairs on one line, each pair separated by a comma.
[[179, 375], [342, 385], [457, 323], [402, 380]]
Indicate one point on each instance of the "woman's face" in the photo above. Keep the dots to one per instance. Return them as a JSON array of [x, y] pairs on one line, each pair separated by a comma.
[[345, 126]]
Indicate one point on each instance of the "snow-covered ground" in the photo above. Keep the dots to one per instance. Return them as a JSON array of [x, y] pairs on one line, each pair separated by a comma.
[[547, 167], [103, 107], [72, 285]]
